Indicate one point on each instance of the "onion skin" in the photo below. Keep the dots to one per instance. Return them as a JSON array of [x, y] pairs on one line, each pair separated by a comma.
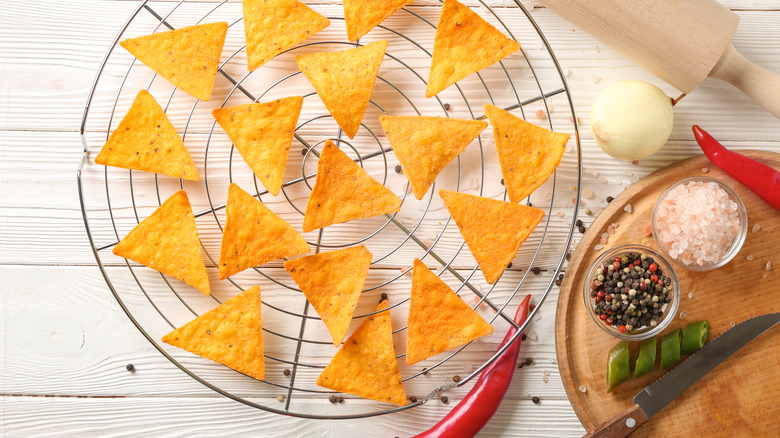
[[631, 120]]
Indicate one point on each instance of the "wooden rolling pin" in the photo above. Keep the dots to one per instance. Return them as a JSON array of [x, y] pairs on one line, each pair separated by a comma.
[[680, 41]]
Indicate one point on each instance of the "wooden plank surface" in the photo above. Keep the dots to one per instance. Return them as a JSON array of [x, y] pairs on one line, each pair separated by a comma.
[[63, 366]]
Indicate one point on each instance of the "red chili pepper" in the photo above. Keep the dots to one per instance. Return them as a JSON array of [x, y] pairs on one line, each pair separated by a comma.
[[761, 179], [479, 405]]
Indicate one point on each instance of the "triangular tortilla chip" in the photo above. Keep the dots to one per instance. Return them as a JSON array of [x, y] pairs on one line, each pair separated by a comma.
[[527, 153], [344, 191], [167, 241], [332, 282], [262, 133], [438, 319], [344, 81], [188, 57], [366, 365], [425, 145], [492, 229], [146, 140], [273, 26], [464, 44], [363, 15], [254, 235], [230, 334]]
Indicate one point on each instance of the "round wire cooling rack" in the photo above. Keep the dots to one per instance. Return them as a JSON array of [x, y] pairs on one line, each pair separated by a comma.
[[529, 83]]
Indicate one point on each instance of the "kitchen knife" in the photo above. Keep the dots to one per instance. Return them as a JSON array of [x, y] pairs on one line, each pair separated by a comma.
[[653, 398], [681, 42]]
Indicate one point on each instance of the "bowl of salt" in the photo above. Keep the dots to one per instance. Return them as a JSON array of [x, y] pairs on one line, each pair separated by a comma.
[[699, 223]]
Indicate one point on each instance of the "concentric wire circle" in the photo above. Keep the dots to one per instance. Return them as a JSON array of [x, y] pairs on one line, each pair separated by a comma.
[[114, 200]]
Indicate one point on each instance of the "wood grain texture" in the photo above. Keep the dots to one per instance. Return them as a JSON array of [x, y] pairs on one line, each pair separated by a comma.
[[81, 340], [719, 401]]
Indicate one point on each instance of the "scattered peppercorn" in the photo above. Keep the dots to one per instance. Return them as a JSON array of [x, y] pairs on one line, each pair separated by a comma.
[[509, 266], [524, 337], [383, 297], [535, 400], [456, 379], [130, 367], [581, 229], [610, 199], [536, 270], [578, 223], [568, 256], [444, 399], [425, 371], [526, 362], [413, 399], [333, 399], [280, 399], [502, 181], [303, 151], [286, 372], [341, 399], [398, 168], [447, 107]]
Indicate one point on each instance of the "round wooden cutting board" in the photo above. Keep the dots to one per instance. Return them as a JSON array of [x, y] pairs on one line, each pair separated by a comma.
[[739, 397]]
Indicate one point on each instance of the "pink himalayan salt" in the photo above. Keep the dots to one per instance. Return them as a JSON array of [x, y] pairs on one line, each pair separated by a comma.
[[755, 228], [647, 229], [697, 222]]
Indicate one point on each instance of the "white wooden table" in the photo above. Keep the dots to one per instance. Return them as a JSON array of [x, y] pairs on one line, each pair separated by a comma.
[[66, 343]]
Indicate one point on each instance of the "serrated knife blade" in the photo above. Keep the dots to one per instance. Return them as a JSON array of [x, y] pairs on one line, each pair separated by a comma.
[[656, 396]]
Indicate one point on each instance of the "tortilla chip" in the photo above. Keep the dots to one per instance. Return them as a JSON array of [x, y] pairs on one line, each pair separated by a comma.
[[492, 229], [167, 241], [273, 26], [332, 282], [188, 57], [464, 44], [344, 81], [254, 235], [263, 133], [230, 334], [438, 319], [365, 365], [527, 153], [344, 191], [146, 140], [363, 15], [425, 145]]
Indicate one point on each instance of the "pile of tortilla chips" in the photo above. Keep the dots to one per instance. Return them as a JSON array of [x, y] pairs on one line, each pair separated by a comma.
[[333, 281]]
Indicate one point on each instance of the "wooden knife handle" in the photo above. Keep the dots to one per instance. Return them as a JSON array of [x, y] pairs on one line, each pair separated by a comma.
[[761, 85], [622, 425]]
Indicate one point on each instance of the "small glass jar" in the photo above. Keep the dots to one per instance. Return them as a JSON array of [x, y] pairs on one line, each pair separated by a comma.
[[669, 309], [736, 245]]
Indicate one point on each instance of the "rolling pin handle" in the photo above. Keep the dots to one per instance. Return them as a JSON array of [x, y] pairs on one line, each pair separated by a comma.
[[761, 85]]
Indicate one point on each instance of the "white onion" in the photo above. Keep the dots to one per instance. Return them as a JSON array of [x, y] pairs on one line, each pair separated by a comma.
[[631, 119]]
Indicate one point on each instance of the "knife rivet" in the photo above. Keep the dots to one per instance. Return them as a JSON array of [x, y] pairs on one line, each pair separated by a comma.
[[630, 422]]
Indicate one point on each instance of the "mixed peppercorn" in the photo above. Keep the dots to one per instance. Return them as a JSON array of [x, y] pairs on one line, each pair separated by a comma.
[[630, 292]]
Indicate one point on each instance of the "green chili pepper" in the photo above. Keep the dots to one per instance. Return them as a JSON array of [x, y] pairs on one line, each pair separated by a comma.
[[617, 367], [694, 336], [645, 362], [670, 349]]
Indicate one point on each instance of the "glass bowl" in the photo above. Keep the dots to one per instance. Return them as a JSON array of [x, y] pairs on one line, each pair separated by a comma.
[[736, 245], [669, 309]]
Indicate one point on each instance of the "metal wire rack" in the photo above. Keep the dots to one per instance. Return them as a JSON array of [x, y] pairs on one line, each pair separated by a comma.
[[114, 200]]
